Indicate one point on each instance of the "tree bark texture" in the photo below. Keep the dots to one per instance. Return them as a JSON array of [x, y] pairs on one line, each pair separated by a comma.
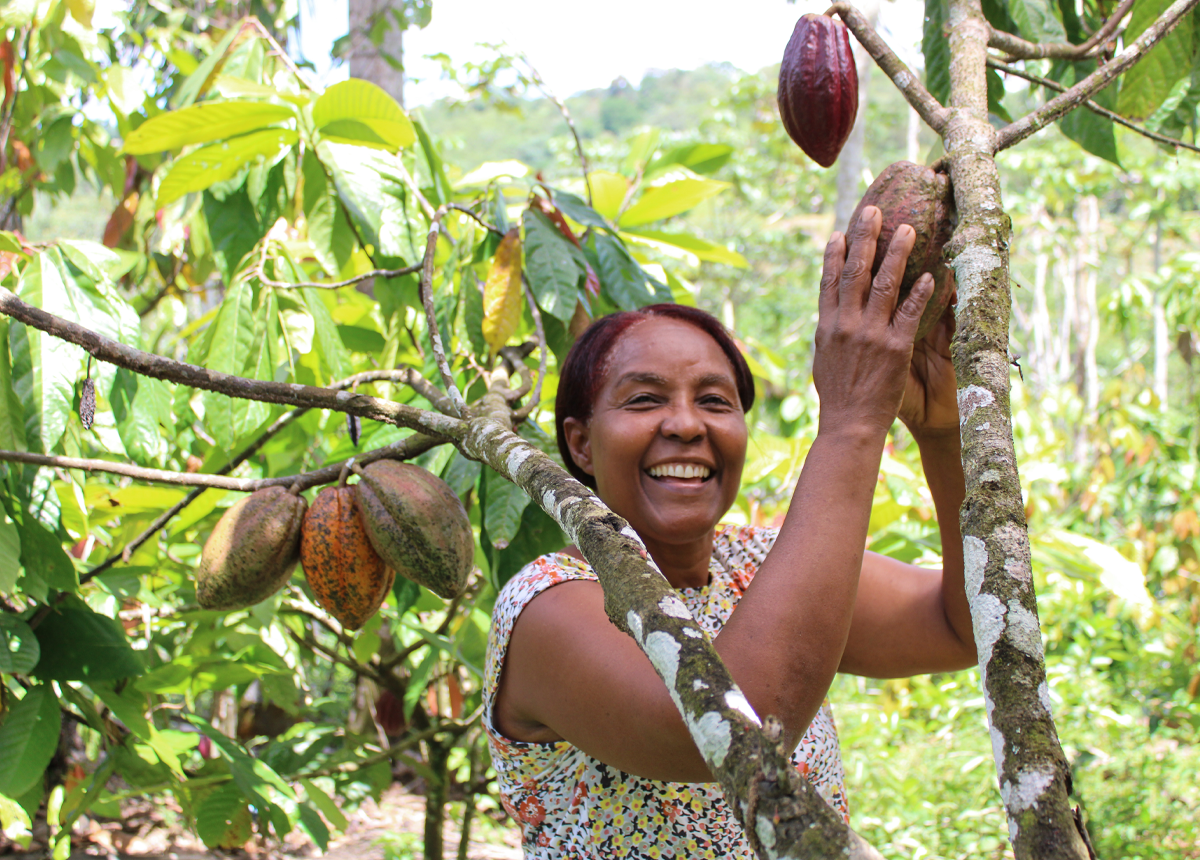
[[367, 61], [1033, 773]]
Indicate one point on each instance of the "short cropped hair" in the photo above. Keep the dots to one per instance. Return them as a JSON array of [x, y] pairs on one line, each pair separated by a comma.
[[582, 374]]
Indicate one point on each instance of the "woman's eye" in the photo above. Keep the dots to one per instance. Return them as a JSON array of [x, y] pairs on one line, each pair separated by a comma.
[[642, 400]]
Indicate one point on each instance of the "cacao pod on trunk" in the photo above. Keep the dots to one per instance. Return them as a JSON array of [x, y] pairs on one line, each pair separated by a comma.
[[347, 577], [818, 87], [252, 551], [913, 194], [417, 525]]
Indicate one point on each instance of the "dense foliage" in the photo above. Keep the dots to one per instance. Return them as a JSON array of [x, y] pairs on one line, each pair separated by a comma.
[[116, 684]]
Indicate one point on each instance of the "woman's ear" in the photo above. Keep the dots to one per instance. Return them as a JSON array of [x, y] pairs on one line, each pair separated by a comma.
[[579, 444]]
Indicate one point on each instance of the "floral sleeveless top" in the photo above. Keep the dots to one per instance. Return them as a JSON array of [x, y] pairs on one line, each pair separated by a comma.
[[570, 805]]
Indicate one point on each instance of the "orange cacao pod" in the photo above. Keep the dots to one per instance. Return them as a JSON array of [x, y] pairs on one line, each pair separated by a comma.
[[417, 525], [252, 551], [818, 87], [346, 575], [913, 194]]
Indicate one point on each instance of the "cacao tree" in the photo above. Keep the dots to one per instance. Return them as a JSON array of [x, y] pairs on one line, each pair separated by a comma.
[[295, 285]]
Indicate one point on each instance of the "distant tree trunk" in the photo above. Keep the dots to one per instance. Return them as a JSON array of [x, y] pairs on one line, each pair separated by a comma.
[[1162, 339], [850, 161], [369, 62], [1088, 218]]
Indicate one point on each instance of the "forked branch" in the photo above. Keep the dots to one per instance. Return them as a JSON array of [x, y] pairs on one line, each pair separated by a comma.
[[1022, 49]]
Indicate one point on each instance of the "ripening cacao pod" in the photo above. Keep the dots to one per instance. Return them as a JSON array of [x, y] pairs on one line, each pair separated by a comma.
[[252, 550], [818, 87], [913, 194], [346, 575], [417, 525]]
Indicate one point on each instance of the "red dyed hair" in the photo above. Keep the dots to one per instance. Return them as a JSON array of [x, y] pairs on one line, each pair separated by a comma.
[[582, 373]]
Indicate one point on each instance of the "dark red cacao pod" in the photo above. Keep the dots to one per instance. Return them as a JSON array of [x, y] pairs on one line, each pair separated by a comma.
[[913, 194], [818, 87]]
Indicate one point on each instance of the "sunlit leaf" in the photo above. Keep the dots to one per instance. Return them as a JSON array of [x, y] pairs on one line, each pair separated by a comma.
[[503, 300], [220, 161], [702, 249], [550, 266], [671, 198], [203, 123], [1147, 85], [359, 112], [19, 649]]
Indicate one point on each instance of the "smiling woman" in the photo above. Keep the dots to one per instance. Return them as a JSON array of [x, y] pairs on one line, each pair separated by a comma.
[[592, 756]]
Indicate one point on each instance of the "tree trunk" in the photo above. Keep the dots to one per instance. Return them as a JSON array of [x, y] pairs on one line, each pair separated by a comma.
[[369, 62], [1033, 772]]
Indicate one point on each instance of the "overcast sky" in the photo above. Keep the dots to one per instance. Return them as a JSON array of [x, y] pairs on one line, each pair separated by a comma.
[[577, 46]]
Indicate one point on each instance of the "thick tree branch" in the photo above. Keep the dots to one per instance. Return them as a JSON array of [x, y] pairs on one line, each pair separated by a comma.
[[1074, 97], [1022, 49], [1092, 106], [910, 86], [288, 394], [1032, 771]]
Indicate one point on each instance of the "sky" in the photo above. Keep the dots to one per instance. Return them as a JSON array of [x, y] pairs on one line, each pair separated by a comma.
[[579, 46]]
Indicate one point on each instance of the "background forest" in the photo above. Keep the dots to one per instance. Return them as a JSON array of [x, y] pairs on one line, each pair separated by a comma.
[[1106, 316]]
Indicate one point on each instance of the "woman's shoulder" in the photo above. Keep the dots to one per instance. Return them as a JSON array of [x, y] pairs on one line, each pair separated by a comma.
[[543, 572]]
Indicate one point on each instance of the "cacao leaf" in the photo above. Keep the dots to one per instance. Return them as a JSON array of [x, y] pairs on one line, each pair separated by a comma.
[[81, 645], [702, 158], [320, 799], [551, 268], [223, 818], [1094, 133], [1147, 85], [12, 415], [405, 593], [19, 650], [197, 81], [1177, 114], [326, 339], [578, 211], [701, 249], [10, 553], [441, 191], [203, 123], [28, 740], [312, 824], [624, 281], [129, 706], [328, 230], [41, 551], [229, 352], [502, 299], [608, 193], [502, 509], [1037, 20], [368, 184], [672, 198], [359, 112], [217, 162], [250, 774], [537, 535]]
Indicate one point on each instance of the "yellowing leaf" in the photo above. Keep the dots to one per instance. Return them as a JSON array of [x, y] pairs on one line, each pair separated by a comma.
[[202, 123], [608, 192], [669, 199], [502, 300], [81, 11]]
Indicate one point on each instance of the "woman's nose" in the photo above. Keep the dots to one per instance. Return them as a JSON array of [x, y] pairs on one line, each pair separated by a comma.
[[683, 423]]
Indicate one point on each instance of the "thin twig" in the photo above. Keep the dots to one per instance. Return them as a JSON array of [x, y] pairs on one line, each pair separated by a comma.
[[454, 728], [1060, 105], [566, 115], [260, 271], [922, 101], [415, 190], [332, 654], [408, 447], [1091, 105], [1022, 49], [435, 336], [466, 210], [288, 394], [280, 52]]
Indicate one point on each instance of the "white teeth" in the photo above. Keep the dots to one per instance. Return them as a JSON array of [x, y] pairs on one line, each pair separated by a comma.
[[679, 470]]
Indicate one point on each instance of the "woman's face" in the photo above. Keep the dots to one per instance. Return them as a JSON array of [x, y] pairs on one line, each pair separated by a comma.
[[667, 438]]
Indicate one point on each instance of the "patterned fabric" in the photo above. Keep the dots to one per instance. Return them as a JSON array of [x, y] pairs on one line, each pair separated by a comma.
[[570, 805]]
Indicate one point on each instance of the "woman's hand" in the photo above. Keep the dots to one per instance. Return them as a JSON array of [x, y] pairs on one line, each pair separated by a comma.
[[864, 343], [930, 404]]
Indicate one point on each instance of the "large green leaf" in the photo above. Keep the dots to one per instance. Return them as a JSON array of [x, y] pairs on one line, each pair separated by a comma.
[[251, 775], [142, 408], [326, 339], [702, 249], [81, 645], [19, 649], [220, 161], [328, 230], [12, 415], [936, 48], [1094, 133], [233, 229], [702, 158], [203, 123], [43, 552], [1148, 84], [502, 511], [671, 198], [45, 368], [223, 819], [578, 211], [441, 190], [10, 553], [549, 265], [537, 534], [1177, 114], [1037, 20], [359, 112], [369, 185], [129, 706], [28, 740], [623, 280], [230, 350]]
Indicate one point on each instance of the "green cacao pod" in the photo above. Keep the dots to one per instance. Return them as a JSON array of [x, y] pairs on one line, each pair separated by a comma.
[[347, 577], [818, 87], [252, 551], [418, 525], [913, 194]]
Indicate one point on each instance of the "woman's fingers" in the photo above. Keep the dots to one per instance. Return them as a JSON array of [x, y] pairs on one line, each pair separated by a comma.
[[855, 282], [886, 285], [908, 314], [831, 273]]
